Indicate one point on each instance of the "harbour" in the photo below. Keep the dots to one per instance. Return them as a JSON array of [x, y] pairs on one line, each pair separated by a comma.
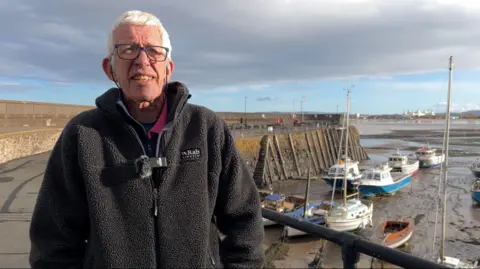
[[417, 201]]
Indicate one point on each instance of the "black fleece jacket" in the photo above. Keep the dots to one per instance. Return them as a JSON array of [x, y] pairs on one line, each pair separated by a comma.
[[103, 204]]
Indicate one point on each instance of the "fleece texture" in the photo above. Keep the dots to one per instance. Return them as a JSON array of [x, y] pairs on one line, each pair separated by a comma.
[[101, 204]]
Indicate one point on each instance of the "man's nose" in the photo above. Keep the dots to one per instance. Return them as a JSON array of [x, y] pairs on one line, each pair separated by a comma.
[[142, 58]]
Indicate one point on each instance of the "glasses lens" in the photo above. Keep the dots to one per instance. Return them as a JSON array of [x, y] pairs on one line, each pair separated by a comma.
[[130, 52]]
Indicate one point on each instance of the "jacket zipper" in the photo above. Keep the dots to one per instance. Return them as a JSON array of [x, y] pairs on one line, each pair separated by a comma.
[[155, 194], [152, 184]]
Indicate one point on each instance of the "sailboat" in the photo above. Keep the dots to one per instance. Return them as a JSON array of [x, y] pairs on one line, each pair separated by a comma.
[[446, 260], [352, 214], [310, 212]]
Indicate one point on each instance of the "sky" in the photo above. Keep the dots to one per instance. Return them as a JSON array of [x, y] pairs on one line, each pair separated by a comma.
[[270, 55]]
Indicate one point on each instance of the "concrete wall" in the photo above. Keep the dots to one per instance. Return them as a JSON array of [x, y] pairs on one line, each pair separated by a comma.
[[289, 154], [20, 144], [321, 144], [38, 114]]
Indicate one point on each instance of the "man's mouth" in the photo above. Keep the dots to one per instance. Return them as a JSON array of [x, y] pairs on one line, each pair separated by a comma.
[[142, 77]]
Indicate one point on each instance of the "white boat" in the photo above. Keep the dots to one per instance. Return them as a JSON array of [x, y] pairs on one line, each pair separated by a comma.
[[476, 191], [429, 157], [443, 259], [475, 168], [456, 263], [352, 214], [402, 163], [379, 181], [336, 174]]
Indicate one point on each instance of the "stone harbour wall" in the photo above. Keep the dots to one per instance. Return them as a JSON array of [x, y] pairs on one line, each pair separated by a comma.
[[269, 158]]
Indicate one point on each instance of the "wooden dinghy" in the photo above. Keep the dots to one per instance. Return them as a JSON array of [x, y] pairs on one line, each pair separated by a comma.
[[395, 233]]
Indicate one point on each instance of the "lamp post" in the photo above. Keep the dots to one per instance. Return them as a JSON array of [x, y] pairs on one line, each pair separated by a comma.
[[245, 117]]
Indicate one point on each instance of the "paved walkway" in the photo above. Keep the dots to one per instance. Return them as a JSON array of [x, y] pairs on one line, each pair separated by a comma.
[[19, 184]]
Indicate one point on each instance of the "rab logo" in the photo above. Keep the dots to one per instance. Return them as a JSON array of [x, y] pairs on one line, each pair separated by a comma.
[[190, 154]]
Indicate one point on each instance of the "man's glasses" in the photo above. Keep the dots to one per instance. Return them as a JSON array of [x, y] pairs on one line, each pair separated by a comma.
[[131, 52]]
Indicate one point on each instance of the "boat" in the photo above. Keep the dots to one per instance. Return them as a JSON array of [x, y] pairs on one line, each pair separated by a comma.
[[429, 157], [335, 175], [476, 190], [456, 263], [280, 203], [475, 168], [379, 181], [451, 262], [396, 233], [315, 214], [352, 214], [312, 213], [402, 163]]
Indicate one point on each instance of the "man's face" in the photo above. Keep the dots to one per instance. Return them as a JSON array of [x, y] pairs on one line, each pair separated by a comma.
[[142, 78]]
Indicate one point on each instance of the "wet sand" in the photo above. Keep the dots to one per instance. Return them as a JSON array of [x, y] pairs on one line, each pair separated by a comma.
[[418, 200]]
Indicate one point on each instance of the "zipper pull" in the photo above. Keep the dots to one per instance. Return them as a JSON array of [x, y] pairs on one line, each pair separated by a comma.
[[155, 203]]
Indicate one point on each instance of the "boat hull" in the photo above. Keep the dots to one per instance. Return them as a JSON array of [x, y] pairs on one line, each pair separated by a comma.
[[476, 173], [292, 232], [407, 168], [349, 225], [432, 162], [401, 242], [396, 233], [373, 190], [456, 263], [267, 222], [339, 184], [346, 225], [476, 196]]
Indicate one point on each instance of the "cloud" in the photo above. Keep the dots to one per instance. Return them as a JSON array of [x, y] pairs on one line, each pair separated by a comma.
[[227, 44], [13, 86], [265, 99], [442, 107], [439, 87]]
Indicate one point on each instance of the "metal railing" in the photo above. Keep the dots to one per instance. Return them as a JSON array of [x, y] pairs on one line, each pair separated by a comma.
[[352, 245]]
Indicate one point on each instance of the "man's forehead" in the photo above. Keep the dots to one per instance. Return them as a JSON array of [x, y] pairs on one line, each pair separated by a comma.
[[137, 33]]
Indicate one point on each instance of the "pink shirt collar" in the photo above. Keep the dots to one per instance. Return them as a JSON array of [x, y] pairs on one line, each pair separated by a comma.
[[162, 120]]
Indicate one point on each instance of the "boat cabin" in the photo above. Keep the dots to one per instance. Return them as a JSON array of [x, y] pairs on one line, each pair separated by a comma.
[[425, 152], [398, 158], [476, 185], [476, 165], [376, 174], [339, 169], [277, 202]]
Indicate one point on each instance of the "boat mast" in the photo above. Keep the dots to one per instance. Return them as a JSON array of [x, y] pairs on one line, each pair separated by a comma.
[[346, 150], [339, 156], [445, 163], [307, 188]]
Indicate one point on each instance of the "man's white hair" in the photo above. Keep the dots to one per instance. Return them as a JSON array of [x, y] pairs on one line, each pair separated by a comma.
[[140, 18]]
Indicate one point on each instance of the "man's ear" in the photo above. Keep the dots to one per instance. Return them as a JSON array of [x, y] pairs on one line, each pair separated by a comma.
[[170, 68], [107, 68]]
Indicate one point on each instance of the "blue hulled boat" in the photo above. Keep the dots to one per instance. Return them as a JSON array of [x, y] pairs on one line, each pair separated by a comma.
[[379, 181], [476, 191]]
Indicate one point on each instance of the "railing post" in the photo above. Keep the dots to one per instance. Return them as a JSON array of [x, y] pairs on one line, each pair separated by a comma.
[[350, 256]]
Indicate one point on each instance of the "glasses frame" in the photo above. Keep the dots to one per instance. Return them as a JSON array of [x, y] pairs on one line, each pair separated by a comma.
[[140, 48]]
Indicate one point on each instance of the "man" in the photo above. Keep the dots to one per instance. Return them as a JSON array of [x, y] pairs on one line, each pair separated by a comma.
[[145, 180]]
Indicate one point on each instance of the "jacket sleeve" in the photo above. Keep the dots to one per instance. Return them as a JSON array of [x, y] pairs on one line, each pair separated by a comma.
[[59, 226], [238, 211]]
